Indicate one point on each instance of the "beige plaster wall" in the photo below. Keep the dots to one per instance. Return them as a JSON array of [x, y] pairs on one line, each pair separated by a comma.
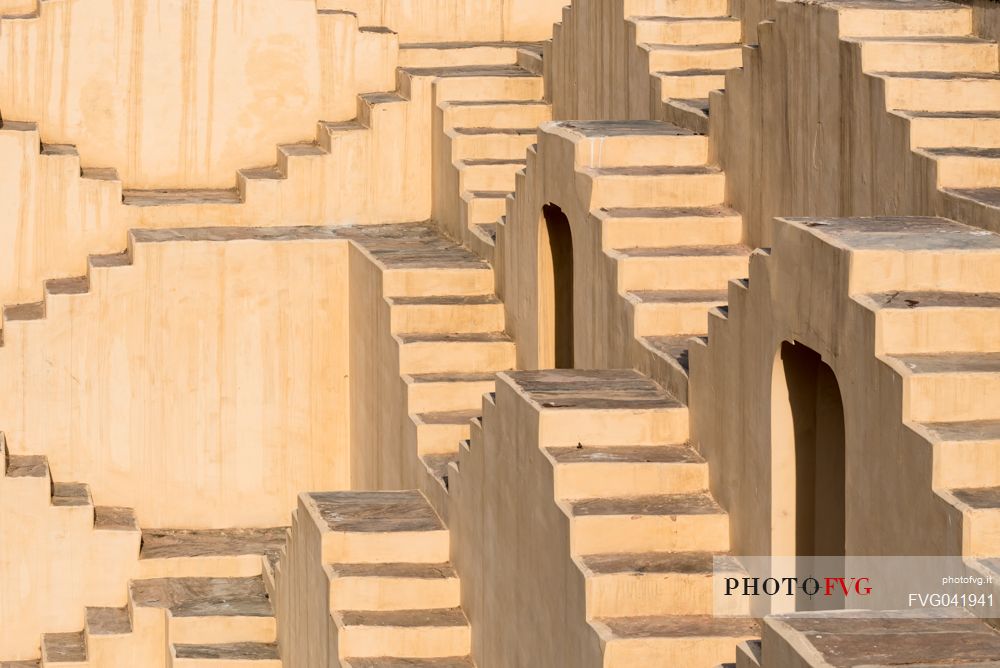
[[15, 7], [383, 438], [465, 21], [594, 65], [181, 94], [206, 374]]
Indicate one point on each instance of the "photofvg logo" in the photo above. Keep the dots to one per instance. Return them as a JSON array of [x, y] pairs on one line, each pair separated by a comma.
[[791, 586], [920, 586]]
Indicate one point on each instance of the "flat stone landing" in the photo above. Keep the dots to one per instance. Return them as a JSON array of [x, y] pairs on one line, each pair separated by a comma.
[[376, 512], [598, 389], [877, 641]]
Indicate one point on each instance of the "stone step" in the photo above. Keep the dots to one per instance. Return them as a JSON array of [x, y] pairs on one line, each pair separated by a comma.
[[298, 160], [393, 586], [587, 472], [682, 8], [457, 54], [632, 187], [438, 464], [673, 311], [637, 227], [484, 206], [484, 82], [210, 610], [878, 640], [418, 634], [223, 197], [988, 198], [393, 662], [114, 518], [690, 113], [378, 527], [907, 253], [661, 523], [688, 84], [965, 166], [376, 107], [488, 173], [964, 452], [927, 322], [225, 655], [484, 235], [201, 553], [417, 260], [430, 392], [481, 240], [929, 54], [687, 30], [68, 494], [941, 129], [600, 407], [333, 135], [687, 268], [627, 584], [441, 432], [107, 622], [980, 508], [32, 467], [491, 142], [682, 640], [941, 91], [673, 351], [878, 18], [531, 58], [495, 113], [473, 352], [446, 313], [679, 57], [630, 144], [470, 277], [68, 650], [948, 387]]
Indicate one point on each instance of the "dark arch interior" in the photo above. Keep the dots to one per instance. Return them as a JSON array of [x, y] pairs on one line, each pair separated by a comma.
[[561, 254]]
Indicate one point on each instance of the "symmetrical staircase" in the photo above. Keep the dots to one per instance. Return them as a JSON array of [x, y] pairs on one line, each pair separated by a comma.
[[664, 226], [481, 134], [686, 52], [943, 83], [58, 521], [388, 594], [629, 496], [445, 330], [942, 338], [198, 598], [199, 595]]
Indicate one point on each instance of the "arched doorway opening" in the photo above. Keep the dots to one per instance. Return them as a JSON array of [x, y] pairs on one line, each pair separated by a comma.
[[556, 286], [808, 464]]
